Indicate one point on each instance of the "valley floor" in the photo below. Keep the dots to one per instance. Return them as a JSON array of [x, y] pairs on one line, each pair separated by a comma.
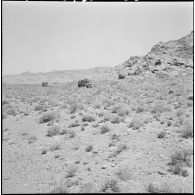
[[118, 136]]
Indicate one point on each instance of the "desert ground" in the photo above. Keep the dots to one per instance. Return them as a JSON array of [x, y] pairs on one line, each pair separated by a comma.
[[130, 130], [131, 136]]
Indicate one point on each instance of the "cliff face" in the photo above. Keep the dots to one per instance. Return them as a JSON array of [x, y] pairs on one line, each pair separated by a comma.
[[172, 57]]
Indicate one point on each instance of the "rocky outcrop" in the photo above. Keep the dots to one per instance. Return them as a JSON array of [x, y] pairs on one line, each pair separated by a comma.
[[172, 57]]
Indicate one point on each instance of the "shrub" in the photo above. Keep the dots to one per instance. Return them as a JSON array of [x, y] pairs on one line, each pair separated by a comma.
[[121, 110], [115, 120], [74, 106], [71, 172], [75, 124], [115, 108], [44, 151], [180, 112], [135, 124], [97, 105], [63, 131], [95, 125], [59, 190], [178, 170], [120, 76], [104, 129], [88, 118], [32, 139], [159, 188], [89, 148], [161, 134], [124, 174], [120, 148], [110, 185], [139, 109], [182, 157], [11, 111], [107, 117], [49, 116], [187, 130], [71, 134], [55, 147], [5, 102], [159, 109], [52, 131], [88, 188], [38, 108]]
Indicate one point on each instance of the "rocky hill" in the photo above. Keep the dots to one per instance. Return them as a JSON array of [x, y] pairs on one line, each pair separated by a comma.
[[164, 59], [169, 58]]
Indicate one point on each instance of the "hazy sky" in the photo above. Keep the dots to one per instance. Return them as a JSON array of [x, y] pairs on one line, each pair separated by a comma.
[[46, 36]]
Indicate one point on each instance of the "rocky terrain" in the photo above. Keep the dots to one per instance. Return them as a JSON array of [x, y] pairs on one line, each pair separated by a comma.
[[131, 132]]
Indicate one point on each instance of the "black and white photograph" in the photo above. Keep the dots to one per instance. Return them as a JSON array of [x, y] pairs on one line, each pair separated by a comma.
[[97, 97]]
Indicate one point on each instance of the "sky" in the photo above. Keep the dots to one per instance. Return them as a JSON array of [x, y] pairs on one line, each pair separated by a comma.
[[47, 36]]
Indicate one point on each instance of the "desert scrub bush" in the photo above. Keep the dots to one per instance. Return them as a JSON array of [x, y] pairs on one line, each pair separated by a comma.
[[187, 130], [115, 108], [104, 129], [107, 103], [121, 110], [4, 115], [95, 125], [182, 157], [64, 132], [88, 118], [72, 134], [180, 112], [115, 120], [88, 188], [107, 117], [74, 124], [5, 102], [39, 108], [136, 123], [32, 139], [161, 134], [124, 173], [110, 185], [159, 109], [71, 172], [55, 147], [54, 130], [59, 190], [179, 121], [178, 170], [97, 105], [148, 119], [139, 109], [49, 116], [120, 148], [73, 107], [89, 148], [44, 151], [11, 111], [72, 116], [163, 188]]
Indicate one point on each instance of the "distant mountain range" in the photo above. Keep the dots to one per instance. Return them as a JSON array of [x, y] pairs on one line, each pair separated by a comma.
[[57, 76], [169, 58]]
